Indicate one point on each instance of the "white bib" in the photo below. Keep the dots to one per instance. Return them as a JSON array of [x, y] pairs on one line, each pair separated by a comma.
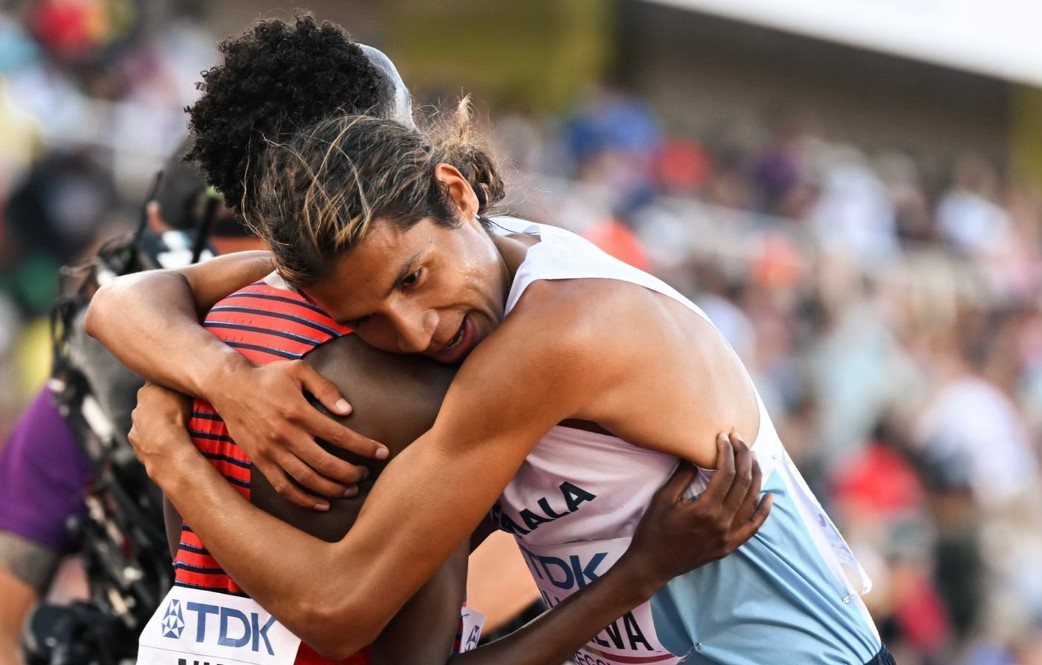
[[561, 570], [471, 623], [192, 625]]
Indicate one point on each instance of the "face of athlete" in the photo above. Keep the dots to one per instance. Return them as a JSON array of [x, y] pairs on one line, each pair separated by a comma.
[[429, 289]]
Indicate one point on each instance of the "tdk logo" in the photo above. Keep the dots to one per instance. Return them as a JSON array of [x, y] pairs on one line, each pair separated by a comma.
[[173, 621], [235, 628]]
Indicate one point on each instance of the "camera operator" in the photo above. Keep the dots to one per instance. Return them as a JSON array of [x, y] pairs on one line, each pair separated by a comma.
[[69, 482]]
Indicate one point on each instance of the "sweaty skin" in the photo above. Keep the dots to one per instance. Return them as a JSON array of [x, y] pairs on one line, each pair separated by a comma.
[[396, 398], [593, 350], [548, 362]]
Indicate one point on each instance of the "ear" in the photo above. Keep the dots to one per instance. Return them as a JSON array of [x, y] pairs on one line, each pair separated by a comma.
[[459, 190]]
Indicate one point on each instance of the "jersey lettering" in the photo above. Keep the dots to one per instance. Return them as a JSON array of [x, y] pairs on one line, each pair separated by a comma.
[[573, 496], [565, 574], [626, 636]]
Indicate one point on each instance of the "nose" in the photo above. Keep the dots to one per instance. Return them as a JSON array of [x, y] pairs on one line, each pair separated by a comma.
[[415, 330]]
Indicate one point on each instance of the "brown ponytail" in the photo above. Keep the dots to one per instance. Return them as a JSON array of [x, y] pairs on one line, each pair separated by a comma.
[[474, 158]]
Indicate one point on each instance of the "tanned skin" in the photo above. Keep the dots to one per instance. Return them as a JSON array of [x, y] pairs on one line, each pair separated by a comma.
[[552, 360], [396, 399]]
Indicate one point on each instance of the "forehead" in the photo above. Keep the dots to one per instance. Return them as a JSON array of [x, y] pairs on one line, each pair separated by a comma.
[[371, 270], [384, 249]]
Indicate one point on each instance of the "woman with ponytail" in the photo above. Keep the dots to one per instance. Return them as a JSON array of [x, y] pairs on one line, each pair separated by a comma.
[[260, 109], [583, 384]]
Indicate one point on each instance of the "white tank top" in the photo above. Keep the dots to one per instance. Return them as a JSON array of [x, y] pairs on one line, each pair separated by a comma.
[[578, 496]]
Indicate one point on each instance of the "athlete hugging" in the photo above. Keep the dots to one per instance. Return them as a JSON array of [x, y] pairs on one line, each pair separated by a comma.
[[553, 411]]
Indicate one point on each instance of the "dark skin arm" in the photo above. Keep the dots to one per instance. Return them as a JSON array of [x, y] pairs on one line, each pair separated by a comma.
[[397, 399], [172, 522], [150, 321]]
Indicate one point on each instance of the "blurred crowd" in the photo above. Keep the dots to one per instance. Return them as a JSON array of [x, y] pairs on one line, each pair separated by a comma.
[[91, 99], [888, 308], [886, 302]]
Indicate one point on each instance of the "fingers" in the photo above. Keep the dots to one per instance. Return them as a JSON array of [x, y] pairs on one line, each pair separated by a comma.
[[158, 429], [326, 465], [281, 483], [159, 400], [324, 390], [327, 429], [720, 484], [740, 485], [749, 529], [315, 481], [683, 476], [752, 496]]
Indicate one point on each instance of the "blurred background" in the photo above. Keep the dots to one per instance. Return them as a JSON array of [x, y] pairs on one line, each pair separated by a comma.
[[851, 190]]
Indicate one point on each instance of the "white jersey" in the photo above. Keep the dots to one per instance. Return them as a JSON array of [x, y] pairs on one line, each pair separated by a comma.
[[790, 595]]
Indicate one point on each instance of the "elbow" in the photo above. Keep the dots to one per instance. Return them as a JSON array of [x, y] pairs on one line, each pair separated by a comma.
[[339, 629], [97, 312]]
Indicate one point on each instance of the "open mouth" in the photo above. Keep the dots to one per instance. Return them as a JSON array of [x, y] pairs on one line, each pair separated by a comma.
[[457, 346], [454, 342]]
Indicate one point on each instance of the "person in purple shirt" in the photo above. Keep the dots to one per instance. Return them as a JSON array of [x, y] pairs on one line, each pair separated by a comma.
[[43, 473]]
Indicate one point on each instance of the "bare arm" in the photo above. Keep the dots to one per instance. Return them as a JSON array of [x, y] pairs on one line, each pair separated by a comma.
[[674, 536], [532, 373], [423, 632], [150, 322], [363, 580]]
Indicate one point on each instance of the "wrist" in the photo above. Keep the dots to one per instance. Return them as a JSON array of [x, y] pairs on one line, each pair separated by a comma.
[[178, 470], [228, 370], [638, 580]]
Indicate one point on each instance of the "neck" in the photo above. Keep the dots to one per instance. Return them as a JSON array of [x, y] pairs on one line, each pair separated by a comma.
[[512, 251]]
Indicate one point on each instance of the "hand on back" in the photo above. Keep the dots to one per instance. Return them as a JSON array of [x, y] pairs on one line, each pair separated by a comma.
[[269, 416], [677, 534]]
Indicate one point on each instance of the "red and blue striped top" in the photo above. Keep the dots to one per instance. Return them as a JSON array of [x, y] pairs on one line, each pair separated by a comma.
[[265, 324]]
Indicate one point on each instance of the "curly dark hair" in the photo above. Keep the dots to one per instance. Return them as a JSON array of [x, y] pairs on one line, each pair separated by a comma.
[[277, 78]]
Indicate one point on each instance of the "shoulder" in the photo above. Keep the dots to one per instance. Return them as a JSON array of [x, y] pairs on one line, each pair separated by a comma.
[[260, 292], [378, 383], [565, 330], [587, 314]]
